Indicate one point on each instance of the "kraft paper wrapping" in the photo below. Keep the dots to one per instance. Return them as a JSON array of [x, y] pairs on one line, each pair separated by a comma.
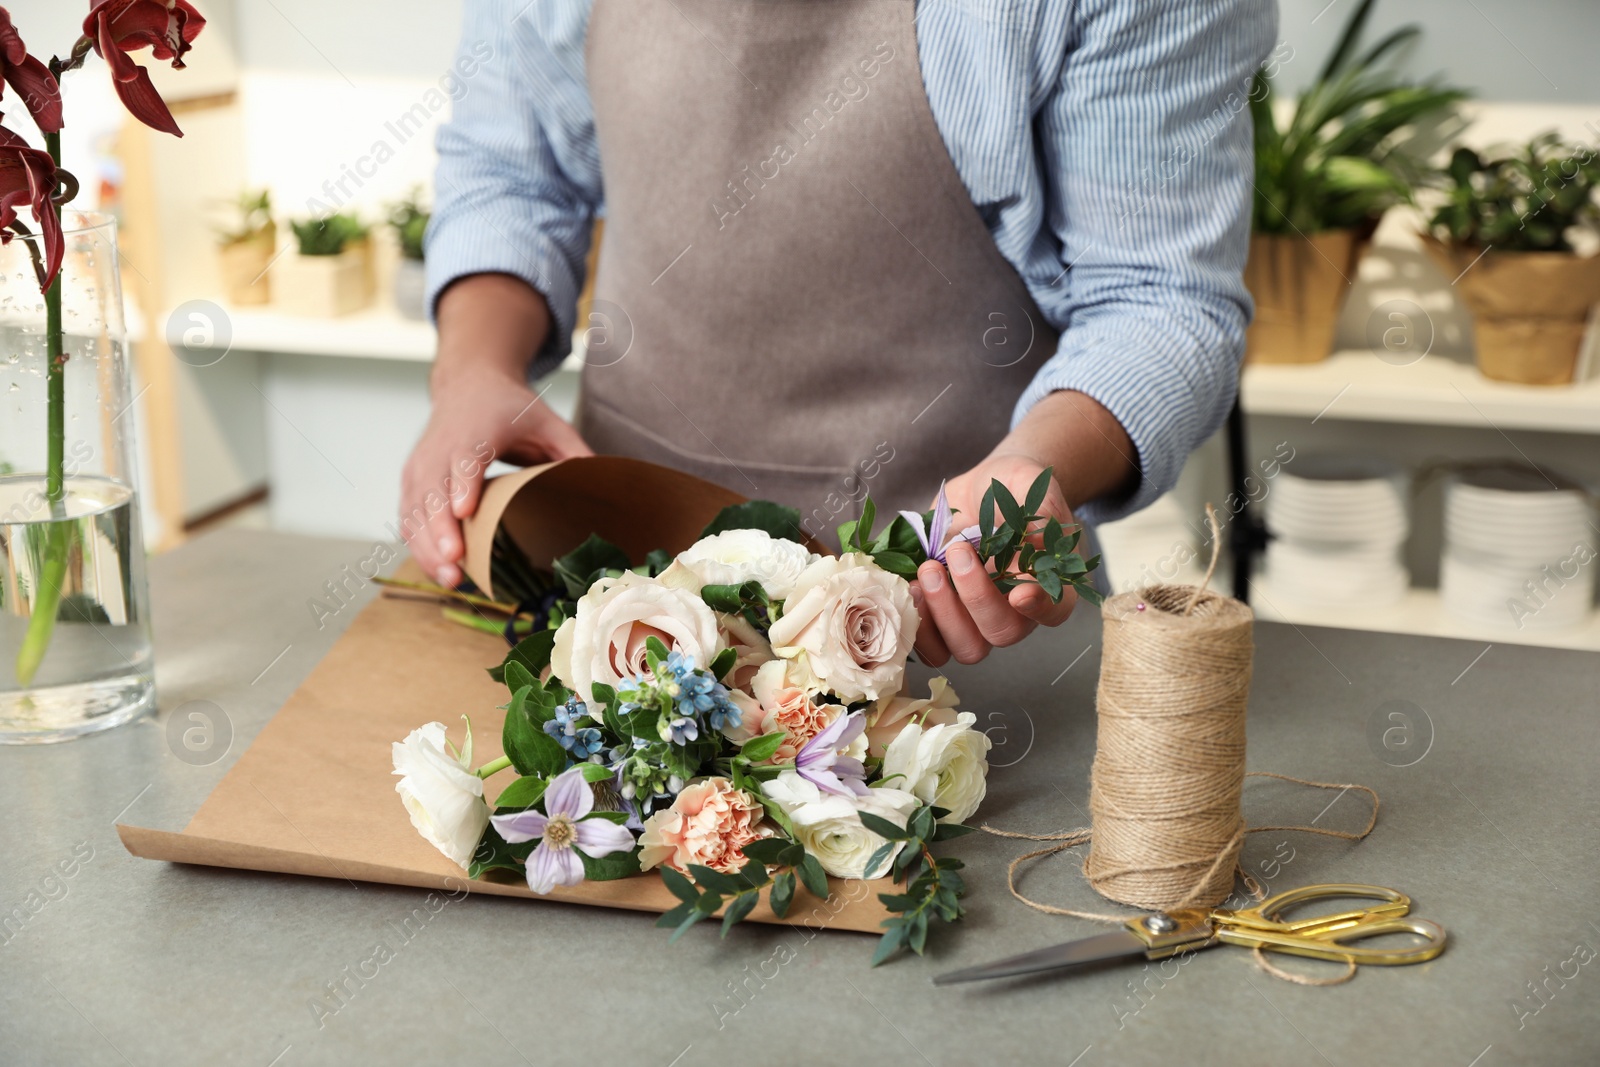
[[314, 795]]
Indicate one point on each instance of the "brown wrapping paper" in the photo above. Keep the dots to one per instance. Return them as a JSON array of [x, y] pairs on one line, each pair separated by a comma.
[[1299, 285], [314, 795], [1529, 309]]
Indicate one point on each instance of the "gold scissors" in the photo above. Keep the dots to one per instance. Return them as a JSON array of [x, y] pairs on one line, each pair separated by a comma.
[[1330, 936]]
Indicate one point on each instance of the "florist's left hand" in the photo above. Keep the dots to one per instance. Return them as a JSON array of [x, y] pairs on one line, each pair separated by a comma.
[[963, 614]]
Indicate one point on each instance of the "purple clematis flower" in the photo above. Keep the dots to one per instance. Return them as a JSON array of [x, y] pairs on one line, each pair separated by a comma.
[[564, 832], [936, 534], [820, 763]]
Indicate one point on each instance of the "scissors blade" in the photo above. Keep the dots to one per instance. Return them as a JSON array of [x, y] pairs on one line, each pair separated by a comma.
[[1110, 946]]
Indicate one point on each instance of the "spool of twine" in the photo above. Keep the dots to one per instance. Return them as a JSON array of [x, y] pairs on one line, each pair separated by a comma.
[[1168, 776]]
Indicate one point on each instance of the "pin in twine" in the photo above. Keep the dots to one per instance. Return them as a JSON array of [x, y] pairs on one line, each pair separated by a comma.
[[1167, 784]]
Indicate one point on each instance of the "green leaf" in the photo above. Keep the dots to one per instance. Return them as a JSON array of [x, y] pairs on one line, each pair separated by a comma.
[[656, 561], [888, 943], [776, 519], [532, 653], [610, 868], [896, 563], [813, 877], [579, 568], [675, 916], [782, 893], [1037, 491], [950, 830], [524, 792], [518, 676], [871, 869], [768, 850], [884, 828], [741, 907], [620, 818], [532, 751], [495, 853], [921, 825], [706, 878], [919, 932], [680, 886], [723, 663], [763, 748], [596, 772]]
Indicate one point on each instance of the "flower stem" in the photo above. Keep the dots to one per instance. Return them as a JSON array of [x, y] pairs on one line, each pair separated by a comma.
[[447, 594], [47, 595], [493, 766]]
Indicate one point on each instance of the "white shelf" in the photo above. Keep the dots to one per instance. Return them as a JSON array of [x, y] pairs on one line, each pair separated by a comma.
[[1435, 390], [376, 333], [1419, 612]]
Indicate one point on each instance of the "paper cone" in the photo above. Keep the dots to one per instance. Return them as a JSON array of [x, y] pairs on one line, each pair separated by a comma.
[[315, 794], [1529, 309], [1299, 285]]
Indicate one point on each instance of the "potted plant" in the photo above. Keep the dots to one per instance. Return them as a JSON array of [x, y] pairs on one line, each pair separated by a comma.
[[1504, 234], [331, 272], [245, 249], [1323, 181], [410, 222]]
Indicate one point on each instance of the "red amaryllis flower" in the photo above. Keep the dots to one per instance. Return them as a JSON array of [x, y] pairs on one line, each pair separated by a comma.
[[28, 176], [29, 77], [166, 27]]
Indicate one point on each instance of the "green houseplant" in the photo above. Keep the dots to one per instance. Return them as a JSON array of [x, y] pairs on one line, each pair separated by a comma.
[[410, 222], [1504, 233], [330, 273], [1324, 178], [245, 248]]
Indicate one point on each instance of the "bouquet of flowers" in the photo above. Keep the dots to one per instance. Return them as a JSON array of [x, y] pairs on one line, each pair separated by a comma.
[[735, 717]]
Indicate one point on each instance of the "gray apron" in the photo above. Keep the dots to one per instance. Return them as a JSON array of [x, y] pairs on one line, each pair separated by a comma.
[[796, 297]]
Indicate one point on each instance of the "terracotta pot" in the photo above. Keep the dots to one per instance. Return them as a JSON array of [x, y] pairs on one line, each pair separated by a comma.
[[1529, 309], [1299, 285], [244, 267], [324, 286]]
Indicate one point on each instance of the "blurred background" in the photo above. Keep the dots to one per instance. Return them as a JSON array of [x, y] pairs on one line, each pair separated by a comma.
[[281, 384]]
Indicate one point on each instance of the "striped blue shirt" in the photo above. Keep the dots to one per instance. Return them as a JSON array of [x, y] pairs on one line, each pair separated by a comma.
[[1106, 143]]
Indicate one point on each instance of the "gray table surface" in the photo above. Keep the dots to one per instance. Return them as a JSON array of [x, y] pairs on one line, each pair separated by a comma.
[[1492, 830]]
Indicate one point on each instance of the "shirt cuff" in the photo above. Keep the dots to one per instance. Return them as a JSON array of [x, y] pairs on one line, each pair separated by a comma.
[[1168, 392], [480, 247]]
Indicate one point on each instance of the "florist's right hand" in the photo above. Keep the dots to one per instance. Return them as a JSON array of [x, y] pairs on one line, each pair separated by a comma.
[[479, 415]]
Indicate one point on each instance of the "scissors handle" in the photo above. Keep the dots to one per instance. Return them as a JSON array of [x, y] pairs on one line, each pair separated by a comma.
[[1335, 944], [1267, 917]]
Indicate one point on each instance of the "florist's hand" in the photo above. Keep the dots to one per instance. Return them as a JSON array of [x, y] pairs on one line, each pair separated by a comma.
[[963, 614], [480, 414]]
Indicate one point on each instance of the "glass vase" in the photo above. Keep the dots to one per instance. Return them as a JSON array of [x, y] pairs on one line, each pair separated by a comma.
[[75, 653]]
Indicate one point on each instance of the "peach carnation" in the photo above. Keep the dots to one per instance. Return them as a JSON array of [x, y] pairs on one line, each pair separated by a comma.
[[709, 823]]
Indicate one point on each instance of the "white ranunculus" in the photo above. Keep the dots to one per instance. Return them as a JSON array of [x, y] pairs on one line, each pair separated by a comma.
[[441, 794], [734, 557], [855, 624], [830, 826], [604, 641], [945, 765]]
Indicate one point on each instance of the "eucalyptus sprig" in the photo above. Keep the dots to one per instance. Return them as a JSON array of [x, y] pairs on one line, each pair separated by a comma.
[[933, 887], [1025, 546], [705, 895]]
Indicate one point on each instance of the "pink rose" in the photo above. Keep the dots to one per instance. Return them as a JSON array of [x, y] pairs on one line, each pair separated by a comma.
[[893, 714], [604, 641], [708, 824]]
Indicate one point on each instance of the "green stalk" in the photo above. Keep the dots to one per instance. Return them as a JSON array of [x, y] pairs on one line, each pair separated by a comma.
[[47, 597], [493, 766]]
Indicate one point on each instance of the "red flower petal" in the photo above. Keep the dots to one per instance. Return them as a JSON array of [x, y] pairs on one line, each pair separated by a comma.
[[133, 84]]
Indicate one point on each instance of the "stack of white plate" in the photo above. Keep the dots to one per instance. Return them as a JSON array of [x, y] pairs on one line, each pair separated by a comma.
[[1519, 552], [1338, 524]]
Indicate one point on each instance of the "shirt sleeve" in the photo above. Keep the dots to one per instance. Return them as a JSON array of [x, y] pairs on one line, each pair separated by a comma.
[[518, 179], [1146, 140]]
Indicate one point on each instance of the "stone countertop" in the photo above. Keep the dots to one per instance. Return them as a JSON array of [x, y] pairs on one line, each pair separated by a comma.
[[1489, 822]]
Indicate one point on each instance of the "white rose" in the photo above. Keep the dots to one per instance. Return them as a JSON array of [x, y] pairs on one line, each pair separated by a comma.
[[605, 640], [855, 623], [830, 826], [944, 765], [441, 794], [734, 557]]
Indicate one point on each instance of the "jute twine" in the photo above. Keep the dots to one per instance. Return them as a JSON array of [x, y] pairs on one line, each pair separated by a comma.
[[1167, 783]]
